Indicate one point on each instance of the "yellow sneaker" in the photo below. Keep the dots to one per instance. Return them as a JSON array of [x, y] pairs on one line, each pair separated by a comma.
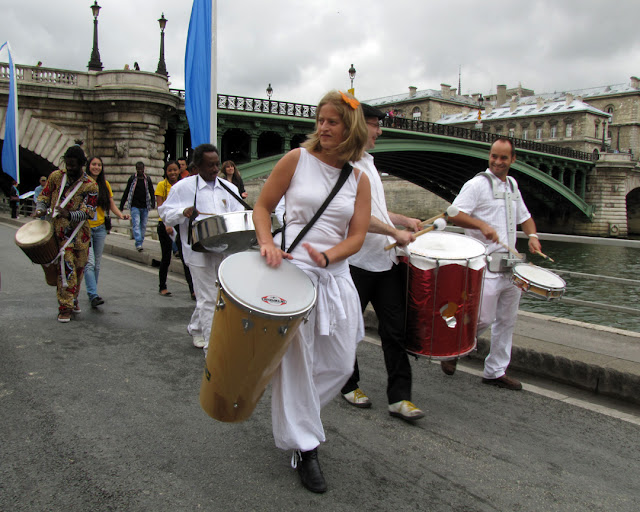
[[405, 410], [357, 398]]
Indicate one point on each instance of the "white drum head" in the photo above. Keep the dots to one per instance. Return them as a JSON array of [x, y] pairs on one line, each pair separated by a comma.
[[539, 276], [446, 248], [33, 232], [282, 291]]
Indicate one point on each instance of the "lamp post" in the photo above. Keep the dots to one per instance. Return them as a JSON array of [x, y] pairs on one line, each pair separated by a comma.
[[352, 75], [269, 92], [162, 67], [478, 125], [94, 63]]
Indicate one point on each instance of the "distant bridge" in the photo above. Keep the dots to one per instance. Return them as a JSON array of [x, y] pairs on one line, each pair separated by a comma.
[[125, 116]]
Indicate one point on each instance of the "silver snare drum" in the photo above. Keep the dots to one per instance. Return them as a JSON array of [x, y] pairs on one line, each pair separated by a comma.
[[227, 233]]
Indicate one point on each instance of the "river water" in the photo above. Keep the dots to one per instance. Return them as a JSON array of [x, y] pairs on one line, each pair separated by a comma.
[[604, 260]]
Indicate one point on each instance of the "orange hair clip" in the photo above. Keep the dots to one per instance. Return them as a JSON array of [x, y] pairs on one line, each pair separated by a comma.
[[352, 102]]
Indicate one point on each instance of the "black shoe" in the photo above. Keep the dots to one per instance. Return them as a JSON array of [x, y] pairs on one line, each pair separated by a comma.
[[310, 473], [96, 301]]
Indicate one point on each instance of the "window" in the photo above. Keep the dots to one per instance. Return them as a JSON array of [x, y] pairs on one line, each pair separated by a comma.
[[538, 133], [525, 134], [568, 131], [416, 113], [512, 132], [596, 133], [554, 131]]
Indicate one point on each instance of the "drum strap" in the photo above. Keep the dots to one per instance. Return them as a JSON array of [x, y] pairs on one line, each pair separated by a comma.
[[243, 203], [68, 196], [344, 174], [512, 193]]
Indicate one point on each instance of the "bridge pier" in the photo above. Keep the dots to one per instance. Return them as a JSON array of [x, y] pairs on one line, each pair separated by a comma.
[[607, 187]]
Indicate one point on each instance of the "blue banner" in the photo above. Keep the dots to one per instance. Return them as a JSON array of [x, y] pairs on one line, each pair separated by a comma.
[[10, 145], [197, 71]]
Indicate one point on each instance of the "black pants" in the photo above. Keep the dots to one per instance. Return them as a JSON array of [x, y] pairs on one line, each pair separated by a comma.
[[386, 292], [166, 245]]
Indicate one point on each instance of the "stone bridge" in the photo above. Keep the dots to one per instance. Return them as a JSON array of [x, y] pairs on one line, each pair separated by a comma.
[[124, 116]]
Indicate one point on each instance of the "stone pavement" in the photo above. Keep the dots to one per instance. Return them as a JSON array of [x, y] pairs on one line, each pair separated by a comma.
[[601, 359]]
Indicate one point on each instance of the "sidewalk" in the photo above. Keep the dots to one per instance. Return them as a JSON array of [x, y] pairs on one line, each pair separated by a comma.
[[592, 357]]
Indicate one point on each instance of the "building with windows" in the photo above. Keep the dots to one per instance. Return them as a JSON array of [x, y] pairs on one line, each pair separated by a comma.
[[605, 118]]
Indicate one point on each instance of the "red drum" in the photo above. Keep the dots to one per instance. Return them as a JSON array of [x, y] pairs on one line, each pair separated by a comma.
[[444, 291]]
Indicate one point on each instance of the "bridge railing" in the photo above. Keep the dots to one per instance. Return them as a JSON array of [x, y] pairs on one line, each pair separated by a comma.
[[414, 125], [42, 75]]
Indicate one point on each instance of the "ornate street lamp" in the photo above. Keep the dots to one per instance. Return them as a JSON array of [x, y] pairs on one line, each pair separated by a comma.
[[162, 67], [352, 75], [269, 92], [94, 63]]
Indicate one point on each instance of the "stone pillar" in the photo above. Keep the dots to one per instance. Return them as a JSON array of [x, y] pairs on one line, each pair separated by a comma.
[[254, 145], [606, 190]]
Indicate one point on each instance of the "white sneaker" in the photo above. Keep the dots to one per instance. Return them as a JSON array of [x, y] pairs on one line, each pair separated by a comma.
[[405, 410], [357, 398], [199, 341]]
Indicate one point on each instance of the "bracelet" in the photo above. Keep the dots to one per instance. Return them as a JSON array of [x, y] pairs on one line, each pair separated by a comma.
[[326, 259], [533, 235]]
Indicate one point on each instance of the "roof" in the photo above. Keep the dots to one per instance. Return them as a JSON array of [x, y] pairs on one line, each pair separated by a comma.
[[524, 110], [424, 94]]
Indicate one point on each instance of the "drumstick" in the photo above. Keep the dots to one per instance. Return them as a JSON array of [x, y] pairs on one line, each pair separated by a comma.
[[545, 256], [436, 225], [512, 251], [452, 211]]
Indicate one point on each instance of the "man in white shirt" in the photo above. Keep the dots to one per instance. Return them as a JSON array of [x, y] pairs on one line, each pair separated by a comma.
[[490, 207], [201, 192], [379, 280]]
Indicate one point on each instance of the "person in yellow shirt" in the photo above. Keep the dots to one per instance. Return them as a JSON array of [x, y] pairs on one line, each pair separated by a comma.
[[166, 233], [98, 229]]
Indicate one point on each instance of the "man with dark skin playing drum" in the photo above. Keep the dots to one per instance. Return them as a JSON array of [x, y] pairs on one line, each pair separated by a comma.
[[69, 224], [490, 207], [196, 198]]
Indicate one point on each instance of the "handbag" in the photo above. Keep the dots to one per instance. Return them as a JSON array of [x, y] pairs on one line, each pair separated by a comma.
[[107, 223]]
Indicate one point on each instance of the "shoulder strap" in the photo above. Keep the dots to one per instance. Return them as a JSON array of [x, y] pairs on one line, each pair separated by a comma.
[[344, 174], [246, 206]]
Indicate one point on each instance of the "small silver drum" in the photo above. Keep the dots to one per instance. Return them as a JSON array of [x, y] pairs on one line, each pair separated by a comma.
[[539, 282], [227, 233]]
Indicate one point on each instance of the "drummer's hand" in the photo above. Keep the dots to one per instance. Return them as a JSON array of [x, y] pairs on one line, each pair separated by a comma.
[[190, 212], [316, 256], [534, 245], [490, 233], [413, 224], [169, 230], [244, 195], [273, 254], [126, 216], [404, 237], [63, 212]]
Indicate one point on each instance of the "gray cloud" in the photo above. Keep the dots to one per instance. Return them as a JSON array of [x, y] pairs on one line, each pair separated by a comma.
[[304, 48]]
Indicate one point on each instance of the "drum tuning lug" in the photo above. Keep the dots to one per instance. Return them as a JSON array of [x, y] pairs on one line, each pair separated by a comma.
[[283, 329], [246, 324], [221, 303]]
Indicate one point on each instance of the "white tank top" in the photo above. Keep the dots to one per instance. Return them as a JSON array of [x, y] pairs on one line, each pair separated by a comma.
[[310, 185]]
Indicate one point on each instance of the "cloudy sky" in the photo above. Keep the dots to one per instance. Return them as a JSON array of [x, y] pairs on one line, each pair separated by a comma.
[[305, 47]]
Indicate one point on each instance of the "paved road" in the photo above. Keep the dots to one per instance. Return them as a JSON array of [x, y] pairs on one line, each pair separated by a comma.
[[103, 414]]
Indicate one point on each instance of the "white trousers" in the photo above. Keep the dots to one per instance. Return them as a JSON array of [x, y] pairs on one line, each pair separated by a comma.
[[312, 372], [204, 286], [499, 309]]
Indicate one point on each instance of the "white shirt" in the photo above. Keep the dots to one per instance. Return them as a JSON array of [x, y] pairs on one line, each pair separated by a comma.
[[212, 199], [372, 256], [476, 199]]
